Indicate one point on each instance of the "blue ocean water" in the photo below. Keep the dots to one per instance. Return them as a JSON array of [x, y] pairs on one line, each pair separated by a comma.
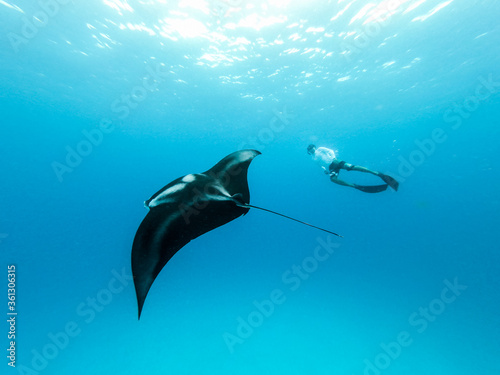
[[104, 102]]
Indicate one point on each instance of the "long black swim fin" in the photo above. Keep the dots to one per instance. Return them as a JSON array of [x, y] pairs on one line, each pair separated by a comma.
[[372, 188], [390, 181]]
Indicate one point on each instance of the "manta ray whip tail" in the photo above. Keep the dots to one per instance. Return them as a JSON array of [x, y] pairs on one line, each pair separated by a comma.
[[288, 217]]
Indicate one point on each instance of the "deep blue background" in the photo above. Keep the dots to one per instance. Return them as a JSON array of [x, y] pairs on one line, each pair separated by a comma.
[[227, 79]]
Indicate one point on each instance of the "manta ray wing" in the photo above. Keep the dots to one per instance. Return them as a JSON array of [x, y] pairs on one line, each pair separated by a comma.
[[185, 209]]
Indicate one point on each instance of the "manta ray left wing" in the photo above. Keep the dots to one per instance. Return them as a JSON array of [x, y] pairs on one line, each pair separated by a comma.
[[185, 209]]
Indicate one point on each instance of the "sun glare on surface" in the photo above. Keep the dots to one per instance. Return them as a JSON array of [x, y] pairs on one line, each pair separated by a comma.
[[186, 28], [223, 29]]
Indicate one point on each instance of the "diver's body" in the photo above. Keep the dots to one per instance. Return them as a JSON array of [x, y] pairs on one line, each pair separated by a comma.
[[332, 166]]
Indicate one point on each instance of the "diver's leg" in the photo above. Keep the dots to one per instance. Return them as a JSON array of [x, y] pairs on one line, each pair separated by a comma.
[[350, 167], [366, 189], [372, 189], [387, 179], [335, 179]]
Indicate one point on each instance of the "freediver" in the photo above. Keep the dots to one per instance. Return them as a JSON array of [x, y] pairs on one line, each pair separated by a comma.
[[332, 166]]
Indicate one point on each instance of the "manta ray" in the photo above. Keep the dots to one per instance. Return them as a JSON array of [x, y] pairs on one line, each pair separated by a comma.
[[185, 209]]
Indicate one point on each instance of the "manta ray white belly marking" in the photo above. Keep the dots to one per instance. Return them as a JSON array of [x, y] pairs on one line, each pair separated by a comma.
[[189, 178], [166, 196]]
